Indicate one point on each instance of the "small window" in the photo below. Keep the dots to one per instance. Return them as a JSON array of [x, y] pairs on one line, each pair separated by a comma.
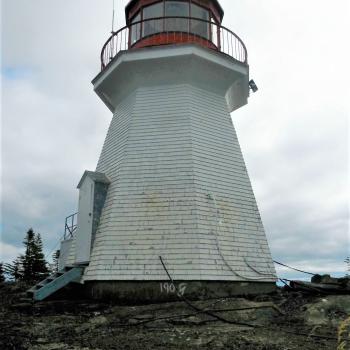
[[153, 26], [177, 9], [135, 29], [199, 27]]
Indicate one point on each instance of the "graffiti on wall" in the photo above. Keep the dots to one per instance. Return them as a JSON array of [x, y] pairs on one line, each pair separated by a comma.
[[169, 288]]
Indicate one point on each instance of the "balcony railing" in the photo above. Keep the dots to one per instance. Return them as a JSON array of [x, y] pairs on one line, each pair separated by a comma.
[[70, 226], [174, 30]]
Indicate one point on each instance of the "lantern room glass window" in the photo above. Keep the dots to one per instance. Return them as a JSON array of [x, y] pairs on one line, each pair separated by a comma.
[[153, 26], [198, 24], [199, 27], [136, 29], [177, 9]]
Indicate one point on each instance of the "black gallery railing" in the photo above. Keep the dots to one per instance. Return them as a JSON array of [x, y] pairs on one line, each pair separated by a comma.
[[172, 30]]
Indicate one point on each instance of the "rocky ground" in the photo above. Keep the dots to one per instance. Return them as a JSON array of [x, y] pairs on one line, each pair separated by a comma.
[[283, 321]]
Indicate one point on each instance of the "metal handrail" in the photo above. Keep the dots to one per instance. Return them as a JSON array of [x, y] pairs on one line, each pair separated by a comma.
[[219, 38], [70, 225]]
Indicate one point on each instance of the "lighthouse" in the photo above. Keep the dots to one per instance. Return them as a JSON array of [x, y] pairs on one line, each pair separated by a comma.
[[170, 208]]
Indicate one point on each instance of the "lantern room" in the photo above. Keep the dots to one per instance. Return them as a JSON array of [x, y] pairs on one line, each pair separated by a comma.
[[167, 22], [186, 21]]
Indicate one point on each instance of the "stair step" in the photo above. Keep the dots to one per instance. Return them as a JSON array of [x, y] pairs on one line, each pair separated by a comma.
[[48, 280], [45, 288]]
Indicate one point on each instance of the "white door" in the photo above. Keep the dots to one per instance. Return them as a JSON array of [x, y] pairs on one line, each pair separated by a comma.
[[85, 214]]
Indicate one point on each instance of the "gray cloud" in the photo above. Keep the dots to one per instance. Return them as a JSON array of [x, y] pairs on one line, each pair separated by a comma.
[[293, 133]]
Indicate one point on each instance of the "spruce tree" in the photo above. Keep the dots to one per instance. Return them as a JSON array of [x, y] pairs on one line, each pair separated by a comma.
[[33, 261], [32, 266], [27, 260], [40, 268], [14, 270]]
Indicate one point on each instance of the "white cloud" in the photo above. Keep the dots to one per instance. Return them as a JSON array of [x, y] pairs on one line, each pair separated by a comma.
[[9, 252]]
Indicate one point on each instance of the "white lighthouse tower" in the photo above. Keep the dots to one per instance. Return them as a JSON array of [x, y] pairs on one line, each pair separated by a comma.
[[171, 193]]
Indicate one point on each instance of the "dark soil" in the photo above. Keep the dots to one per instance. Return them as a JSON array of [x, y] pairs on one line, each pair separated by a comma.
[[282, 321]]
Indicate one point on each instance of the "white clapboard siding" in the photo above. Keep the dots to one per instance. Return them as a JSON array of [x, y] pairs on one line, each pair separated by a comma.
[[225, 201], [179, 189], [70, 260]]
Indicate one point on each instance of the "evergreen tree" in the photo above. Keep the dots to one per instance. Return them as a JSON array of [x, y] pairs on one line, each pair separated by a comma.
[[30, 267], [40, 267], [2, 273], [27, 260], [33, 264], [14, 270]]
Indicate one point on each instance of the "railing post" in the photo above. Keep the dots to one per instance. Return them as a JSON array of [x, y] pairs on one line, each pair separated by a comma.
[[219, 36], [210, 33]]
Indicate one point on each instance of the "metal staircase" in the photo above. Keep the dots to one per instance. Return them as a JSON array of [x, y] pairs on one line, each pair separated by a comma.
[[55, 282]]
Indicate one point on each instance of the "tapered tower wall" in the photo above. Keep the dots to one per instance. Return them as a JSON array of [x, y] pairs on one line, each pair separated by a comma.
[[177, 203], [228, 216], [179, 189]]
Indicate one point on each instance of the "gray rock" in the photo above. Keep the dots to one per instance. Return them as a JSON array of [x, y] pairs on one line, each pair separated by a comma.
[[329, 310]]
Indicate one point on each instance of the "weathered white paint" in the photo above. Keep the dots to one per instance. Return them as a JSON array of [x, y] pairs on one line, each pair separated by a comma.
[[77, 249], [179, 186], [64, 258], [178, 64], [84, 221], [69, 259]]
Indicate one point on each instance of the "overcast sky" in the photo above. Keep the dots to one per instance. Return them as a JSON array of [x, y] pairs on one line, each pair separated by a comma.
[[293, 133]]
